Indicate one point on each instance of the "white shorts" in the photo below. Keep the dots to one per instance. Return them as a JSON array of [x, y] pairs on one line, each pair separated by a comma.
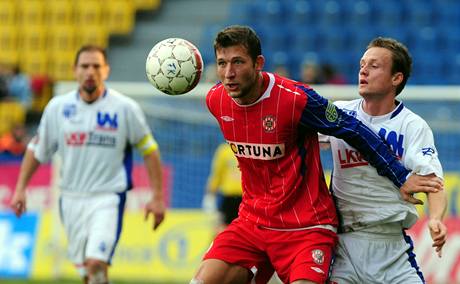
[[92, 224], [370, 257]]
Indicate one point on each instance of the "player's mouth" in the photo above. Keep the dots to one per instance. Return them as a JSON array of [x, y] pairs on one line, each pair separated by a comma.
[[231, 87], [362, 82]]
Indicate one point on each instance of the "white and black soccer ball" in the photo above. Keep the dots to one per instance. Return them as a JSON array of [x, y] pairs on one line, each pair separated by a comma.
[[174, 66]]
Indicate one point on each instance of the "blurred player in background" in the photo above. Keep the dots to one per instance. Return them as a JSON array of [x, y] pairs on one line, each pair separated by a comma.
[[287, 218], [373, 246], [225, 179], [93, 129]]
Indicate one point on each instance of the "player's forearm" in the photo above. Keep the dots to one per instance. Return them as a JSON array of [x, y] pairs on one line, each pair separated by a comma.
[[153, 165], [28, 167], [437, 205]]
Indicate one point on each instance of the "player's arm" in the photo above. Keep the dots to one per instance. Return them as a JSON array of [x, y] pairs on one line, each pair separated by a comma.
[[155, 206], [322, 116], [437, 205], [28, 167]]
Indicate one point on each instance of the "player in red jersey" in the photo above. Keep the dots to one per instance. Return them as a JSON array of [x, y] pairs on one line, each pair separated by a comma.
[[287, 218]]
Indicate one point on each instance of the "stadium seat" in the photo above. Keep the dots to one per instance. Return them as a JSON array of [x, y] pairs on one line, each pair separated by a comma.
[[120, 17], [420, 14], [147, 4], [300, 13], [452, 67], [427, 67], [34, 63], [330, 14], [331, 39], [271, 12], [11, 113], [88, 13], [425, 39], [388, 13], [358, 14], [62, 38], [31, 12], [59, 13], [92, 35], [32, 38], [7, 13], [9, 45], [61, 65]]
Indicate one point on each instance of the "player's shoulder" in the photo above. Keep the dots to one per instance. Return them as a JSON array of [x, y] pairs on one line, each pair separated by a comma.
[[218, 88], [64, 99], [411, 118], [350, 104], [119, 98]]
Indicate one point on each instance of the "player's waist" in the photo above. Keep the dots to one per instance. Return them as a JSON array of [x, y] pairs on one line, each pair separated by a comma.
[[325, 227]]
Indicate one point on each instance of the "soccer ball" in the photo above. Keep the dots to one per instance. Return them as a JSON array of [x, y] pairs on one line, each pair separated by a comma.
[[174, 66]]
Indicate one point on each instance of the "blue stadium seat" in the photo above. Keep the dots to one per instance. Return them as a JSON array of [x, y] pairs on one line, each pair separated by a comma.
[[330, 14], [420, 14], [452, 67], [333, 38], [388, 13], [301, 13], [427, 68], [425, 39], [358, 14]]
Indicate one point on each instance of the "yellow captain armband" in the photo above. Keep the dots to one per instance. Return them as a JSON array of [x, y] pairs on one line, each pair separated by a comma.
[[147, 145]]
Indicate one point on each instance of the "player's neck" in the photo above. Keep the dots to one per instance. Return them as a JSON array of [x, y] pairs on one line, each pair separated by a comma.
[[379, 106], [91, 97]]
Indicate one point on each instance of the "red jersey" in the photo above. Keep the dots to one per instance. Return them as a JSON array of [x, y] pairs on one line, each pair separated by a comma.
[[282, 176]]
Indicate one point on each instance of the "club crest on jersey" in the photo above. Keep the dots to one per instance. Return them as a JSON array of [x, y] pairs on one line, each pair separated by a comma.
[[257, 151], [269, 123], [318, 256], [69, 110], [331, 112], [106, 121]]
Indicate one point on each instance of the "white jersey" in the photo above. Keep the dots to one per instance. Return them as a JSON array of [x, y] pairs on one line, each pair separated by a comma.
[[93, 140], [363, 197]]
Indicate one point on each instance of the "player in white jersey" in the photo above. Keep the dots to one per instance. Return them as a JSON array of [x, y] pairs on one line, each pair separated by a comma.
[[373, 246], [93, 130]]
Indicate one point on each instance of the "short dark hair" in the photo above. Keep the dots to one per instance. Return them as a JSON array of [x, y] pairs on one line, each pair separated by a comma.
[[239, 35], [90, 47], [402, 60]]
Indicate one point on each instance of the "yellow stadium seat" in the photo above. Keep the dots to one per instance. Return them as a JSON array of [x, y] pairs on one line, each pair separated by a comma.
[[9, 45], [59, 13], [61, 65], [89, 12], [11, 113], [31, 12], [32, 38], [93, 35], [147, 4], [120, 17], [34, 63], [7, 13], [62, 37]]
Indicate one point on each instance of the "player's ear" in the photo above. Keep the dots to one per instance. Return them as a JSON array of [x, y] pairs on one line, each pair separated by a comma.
[[260, 61], [397, 78]]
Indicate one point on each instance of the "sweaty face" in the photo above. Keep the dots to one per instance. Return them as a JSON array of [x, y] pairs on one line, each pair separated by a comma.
[[238, 72], [375, 78], [91, 71]]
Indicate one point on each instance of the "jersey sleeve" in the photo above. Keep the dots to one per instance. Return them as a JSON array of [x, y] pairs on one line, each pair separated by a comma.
[[45, 142], [139, 133], [324, 117], [421, 154]]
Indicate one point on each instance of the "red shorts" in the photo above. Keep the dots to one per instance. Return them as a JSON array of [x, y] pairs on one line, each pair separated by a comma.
[[304, 254]]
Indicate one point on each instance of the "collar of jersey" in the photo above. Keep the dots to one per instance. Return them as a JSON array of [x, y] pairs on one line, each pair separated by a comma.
[[379, 118], [104, 94], [266, 94]]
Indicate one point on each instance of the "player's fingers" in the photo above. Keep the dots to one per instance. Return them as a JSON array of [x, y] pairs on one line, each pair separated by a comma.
[[414, 200], [158, 220]]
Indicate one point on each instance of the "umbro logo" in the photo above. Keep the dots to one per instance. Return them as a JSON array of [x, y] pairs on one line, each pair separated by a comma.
[[317, 269], [227, 118]]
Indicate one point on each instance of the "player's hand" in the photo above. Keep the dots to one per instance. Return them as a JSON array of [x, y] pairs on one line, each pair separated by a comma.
[[157, 208], [209, 203], [417, 183], [18, 203], [438, 232]]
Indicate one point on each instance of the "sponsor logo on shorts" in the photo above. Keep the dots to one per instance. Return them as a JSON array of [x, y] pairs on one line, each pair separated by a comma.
[[317, 269], [318, 256], [257, 151]]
